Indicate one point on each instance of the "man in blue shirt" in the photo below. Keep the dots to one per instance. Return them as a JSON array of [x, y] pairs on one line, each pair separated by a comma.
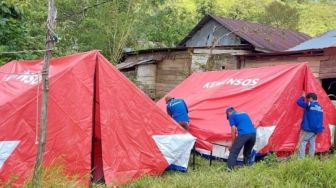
[[178, 110], [240, 122], [312, 123]]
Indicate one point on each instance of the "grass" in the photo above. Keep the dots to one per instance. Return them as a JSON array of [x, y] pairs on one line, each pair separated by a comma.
[[292, 173], [55, 177], [317, 172]]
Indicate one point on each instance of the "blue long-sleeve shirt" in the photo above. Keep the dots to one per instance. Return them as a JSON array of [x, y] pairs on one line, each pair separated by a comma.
[[243, 123], [313, 116], [178, 110]]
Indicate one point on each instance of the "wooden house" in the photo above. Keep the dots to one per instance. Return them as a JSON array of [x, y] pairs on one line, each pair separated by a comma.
[[215, 43]]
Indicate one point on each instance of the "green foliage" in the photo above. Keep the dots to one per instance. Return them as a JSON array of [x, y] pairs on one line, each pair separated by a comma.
[[205, 7], [14, 32], [112, 25], [271, 159], [251, 10], [106, 25], [312, 17], [317, 18], [281, 15], [164, 26]]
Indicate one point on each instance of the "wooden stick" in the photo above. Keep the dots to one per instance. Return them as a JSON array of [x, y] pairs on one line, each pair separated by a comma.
[[45, 86]]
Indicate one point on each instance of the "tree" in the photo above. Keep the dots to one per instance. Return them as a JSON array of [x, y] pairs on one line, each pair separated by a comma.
[[110, 25], [165, 25], [250, 10], [281, 15], [103, 25], [205, 7], [14, 33], [317, 18]]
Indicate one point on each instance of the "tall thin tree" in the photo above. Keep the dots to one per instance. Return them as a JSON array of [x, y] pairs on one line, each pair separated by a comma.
[[50, 39]]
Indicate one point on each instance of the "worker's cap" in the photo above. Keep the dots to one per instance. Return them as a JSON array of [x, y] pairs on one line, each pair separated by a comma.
[[311, 95], [229, 109], [168, 98]]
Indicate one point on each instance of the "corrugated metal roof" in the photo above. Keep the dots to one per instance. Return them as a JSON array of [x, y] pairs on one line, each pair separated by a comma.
[[263, 37], [325, 40]]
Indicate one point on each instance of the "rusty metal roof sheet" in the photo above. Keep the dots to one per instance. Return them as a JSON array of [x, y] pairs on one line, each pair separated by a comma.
[[325, 40], [263, 37]]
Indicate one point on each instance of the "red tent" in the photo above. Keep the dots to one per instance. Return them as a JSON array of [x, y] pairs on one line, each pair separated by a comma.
[[267, 94], [97, 121]]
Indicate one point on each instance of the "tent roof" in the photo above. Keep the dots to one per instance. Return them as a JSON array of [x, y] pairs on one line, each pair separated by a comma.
[[267, 94], [97, 121]]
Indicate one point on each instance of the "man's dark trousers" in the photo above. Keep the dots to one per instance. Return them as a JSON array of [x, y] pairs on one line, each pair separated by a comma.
[[247, 141]]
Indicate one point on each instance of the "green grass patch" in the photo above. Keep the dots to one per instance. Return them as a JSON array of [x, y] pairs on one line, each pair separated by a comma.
[[269, 173], [317, 172], [55, 176]]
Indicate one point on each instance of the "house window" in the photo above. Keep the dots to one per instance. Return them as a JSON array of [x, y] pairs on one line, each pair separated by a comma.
[[329, 86]]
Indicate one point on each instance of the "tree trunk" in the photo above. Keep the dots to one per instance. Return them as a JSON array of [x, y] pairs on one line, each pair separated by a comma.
[[44, 107]]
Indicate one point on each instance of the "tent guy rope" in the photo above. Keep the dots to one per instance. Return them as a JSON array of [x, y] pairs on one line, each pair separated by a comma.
[[25, 51], [37, 110]]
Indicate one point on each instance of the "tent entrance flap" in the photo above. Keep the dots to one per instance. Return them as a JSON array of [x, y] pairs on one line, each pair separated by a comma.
[[97, 156]]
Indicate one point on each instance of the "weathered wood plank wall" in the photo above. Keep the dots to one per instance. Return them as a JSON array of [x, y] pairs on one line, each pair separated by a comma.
[[225, 61], [321, 66], [328, 65], [146, 78], [171, 71]]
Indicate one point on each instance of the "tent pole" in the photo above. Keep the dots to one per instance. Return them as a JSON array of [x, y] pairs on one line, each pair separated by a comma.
[[194, 153], [210, 157], [50, 39]]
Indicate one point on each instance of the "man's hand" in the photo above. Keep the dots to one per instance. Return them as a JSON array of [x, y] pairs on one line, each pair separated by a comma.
[[303, 94], [229, 147]]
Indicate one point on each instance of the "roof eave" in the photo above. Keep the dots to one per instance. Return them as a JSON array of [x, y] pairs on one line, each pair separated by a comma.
[[309, 51]]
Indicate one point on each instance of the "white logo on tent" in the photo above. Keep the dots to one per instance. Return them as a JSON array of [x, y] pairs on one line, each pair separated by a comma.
[[176, 148], [232, 81], [26, 78], [6, 149]]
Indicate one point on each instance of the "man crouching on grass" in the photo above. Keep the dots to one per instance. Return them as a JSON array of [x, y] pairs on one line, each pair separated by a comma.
[[241, 122]]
